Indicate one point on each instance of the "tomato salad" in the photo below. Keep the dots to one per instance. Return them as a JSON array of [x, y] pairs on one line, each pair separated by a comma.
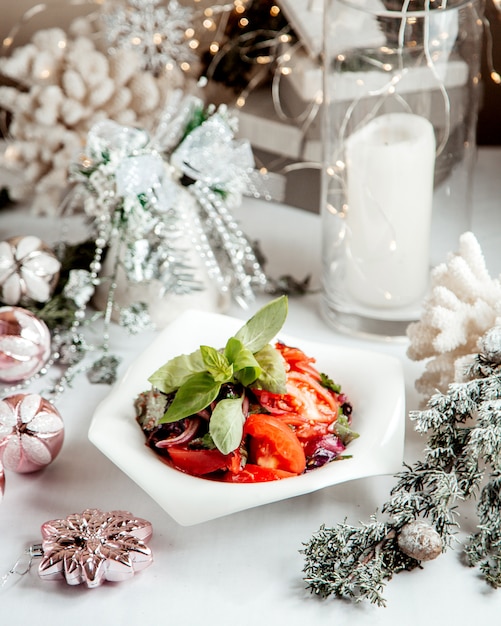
[[283, 434]]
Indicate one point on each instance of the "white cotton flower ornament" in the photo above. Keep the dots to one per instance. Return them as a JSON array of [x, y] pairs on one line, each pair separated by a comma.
[[463, 304], [31, 432], [29, 270]]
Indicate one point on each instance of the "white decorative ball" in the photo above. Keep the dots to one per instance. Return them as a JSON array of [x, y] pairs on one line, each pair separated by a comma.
[[420, 541]]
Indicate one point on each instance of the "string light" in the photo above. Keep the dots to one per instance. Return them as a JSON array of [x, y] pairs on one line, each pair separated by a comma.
[[264, 50]]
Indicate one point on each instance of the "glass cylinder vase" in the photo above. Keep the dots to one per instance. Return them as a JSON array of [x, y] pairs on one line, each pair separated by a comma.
[[401, 91]]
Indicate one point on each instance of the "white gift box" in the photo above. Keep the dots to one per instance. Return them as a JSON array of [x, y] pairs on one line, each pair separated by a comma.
[[306, 18]]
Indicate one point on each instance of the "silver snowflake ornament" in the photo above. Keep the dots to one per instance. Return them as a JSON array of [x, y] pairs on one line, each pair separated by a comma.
[[157, 33]]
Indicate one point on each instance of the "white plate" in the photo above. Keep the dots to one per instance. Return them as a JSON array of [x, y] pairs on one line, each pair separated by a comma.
[[373, 382]]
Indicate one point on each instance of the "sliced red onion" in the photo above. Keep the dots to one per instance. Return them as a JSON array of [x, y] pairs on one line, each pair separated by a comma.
[[187, 435]]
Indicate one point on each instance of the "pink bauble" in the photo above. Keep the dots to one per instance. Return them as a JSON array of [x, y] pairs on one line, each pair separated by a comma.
[[31, 432], [24, 344], [2, 481]]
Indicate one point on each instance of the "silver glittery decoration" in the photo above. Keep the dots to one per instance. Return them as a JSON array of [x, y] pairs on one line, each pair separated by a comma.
[[157, 33], [128, 181], [70, 347], [136, 318], [104, 370], [79, 287]]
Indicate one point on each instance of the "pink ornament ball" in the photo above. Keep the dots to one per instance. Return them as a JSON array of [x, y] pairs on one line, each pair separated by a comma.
[[31, 432], [25, 344], [2, 481]]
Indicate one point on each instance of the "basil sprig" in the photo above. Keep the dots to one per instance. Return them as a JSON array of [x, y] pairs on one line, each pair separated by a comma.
[[247, 358]]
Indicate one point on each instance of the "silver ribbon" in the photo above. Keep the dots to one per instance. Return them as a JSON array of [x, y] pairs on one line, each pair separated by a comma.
[[211, 155]]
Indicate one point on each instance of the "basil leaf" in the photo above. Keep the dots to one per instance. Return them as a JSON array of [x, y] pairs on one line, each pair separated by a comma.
[[217, 364], [193, 396], [273, 377], [226, 425], [264, 325], [245, 367], [177, 371]]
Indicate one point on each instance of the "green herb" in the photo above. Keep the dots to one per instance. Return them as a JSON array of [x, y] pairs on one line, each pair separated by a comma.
[[177, 371], [328, 383], [343, 430], [217, 365], [264, 325], [272, 377], [226, 424], [195, 394], [247, 359]]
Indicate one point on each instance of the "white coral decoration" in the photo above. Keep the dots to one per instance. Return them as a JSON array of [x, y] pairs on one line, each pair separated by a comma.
[[464, 303], [66, 85]]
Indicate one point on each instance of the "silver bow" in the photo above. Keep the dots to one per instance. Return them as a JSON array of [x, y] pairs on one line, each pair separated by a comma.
[[211, 155]]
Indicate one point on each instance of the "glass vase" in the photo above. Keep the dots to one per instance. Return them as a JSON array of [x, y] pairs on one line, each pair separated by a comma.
[[401, 92]]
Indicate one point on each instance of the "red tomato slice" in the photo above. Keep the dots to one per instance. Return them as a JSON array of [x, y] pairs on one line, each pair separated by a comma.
[[325, 396], [197, 462], [306, 400], [256, 474], [297, 360], [273, 444], [311, 399]]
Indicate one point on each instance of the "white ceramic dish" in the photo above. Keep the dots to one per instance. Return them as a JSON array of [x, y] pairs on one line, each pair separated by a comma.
[[373, 382]]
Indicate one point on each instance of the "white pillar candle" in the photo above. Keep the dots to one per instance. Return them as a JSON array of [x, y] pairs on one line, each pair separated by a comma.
[[390, 167]]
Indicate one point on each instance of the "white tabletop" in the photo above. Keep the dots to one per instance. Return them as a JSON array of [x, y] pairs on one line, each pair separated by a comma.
[[245, 568]]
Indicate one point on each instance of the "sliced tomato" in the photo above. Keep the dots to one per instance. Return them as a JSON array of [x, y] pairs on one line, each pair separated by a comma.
[[297, 360], [234, 461], [306, 401], [273, 444], [198, 462], [321, 395], [252, 473]]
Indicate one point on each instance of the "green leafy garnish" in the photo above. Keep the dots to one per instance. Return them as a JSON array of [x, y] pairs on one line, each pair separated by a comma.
[[217, 364], [264, 325], [194, 395], [247, 359], [177, 371], [328, 383], [226, 424], [343, 430], [272, 376]]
